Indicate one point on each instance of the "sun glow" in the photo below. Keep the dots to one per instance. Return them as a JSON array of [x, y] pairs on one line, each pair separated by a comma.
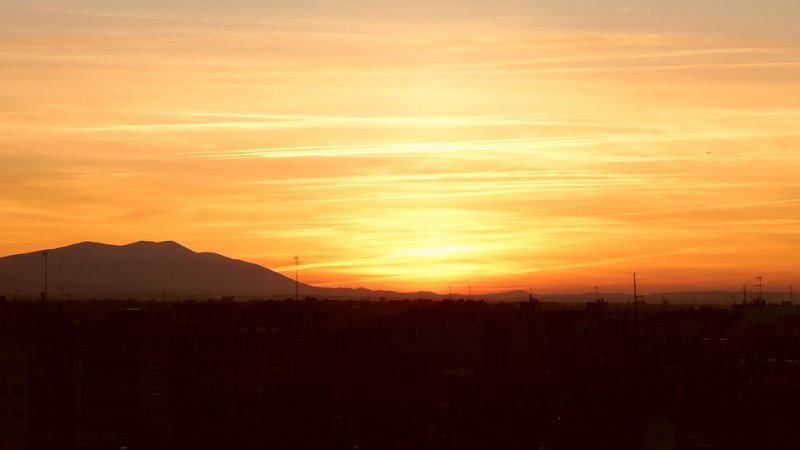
[[411, 154], [434, 251]]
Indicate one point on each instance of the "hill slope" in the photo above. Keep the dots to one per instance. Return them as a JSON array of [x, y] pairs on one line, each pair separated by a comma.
[[138, 269]]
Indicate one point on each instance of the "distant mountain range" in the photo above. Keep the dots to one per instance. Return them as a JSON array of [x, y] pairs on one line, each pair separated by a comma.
[[154, 269], [147, 269]]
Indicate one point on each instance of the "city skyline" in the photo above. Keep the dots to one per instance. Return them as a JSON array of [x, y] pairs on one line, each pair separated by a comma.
[[416, 146]]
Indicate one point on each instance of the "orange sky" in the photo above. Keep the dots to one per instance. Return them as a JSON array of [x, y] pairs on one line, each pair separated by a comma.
[[414, 146]]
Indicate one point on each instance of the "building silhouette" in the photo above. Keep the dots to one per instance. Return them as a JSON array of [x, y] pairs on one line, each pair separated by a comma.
[[397, 375]]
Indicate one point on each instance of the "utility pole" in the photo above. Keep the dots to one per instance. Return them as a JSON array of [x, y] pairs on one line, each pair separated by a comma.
[[760, 287], [296, 277], [470, 293], [635, 300], [597, 293]]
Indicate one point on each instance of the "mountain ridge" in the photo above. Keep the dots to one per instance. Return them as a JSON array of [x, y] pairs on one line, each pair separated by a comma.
[[157, 269], [139, 268]]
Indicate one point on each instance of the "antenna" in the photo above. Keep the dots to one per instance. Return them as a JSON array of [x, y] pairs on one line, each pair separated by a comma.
[[296, 276], [451, 291], [470, 293], [597, 293]]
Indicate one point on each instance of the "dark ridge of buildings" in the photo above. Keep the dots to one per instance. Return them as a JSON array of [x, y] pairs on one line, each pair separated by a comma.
[[397, 375]]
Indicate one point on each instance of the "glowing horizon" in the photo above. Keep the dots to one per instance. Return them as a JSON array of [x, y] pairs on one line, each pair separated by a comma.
[[413, 148]]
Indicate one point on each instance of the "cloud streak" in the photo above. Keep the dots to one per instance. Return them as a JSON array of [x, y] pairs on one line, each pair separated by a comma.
[[404, 154]]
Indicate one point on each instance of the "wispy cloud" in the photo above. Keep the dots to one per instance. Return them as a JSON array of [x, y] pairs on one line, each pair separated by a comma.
[[406, 154], [525, 147]]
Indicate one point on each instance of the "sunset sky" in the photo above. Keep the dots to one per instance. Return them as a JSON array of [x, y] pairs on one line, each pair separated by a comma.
[[413, 145]]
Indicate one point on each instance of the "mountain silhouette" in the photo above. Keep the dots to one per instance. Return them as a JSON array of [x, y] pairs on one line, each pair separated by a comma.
[[139, 269], [147, 269]]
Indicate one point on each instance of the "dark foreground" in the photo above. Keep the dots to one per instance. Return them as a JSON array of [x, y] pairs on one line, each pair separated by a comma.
[[397, 375]]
